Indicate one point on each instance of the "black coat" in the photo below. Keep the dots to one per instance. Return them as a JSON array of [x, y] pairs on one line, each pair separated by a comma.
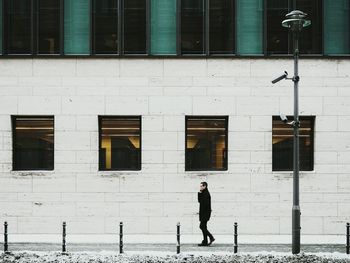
[[204, 201]]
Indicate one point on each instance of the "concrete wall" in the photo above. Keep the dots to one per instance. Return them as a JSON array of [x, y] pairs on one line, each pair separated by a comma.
[[163, 91]]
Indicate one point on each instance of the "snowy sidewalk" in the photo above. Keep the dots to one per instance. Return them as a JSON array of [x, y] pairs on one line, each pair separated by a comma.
[[171, 248], [162, 257]]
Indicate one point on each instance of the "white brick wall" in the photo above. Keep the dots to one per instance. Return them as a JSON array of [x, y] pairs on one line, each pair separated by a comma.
[[163, 91]]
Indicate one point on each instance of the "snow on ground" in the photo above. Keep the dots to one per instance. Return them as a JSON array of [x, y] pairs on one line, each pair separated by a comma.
[[166, 257]]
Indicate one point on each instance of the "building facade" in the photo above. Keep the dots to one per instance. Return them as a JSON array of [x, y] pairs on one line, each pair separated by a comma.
[[102, 121]]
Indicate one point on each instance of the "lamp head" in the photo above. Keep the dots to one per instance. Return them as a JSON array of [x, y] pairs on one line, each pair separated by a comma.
[[296, 21]]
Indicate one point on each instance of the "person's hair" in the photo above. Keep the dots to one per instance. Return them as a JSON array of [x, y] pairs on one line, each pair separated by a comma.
[[204, 184]]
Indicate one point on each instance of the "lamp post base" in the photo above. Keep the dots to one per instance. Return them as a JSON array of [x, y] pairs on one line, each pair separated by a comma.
[[296, 229]]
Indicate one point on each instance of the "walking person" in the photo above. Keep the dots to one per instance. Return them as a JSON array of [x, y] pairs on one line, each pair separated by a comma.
[[204, 201]]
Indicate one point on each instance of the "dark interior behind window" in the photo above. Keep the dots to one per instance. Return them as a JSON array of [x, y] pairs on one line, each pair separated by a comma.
[[18, 26], [33, 143], [120, 143], [135, 27], [206, 143], [49, 26], [192, 26], [282, 144], [221, 26], [105, 26], [279, 40]]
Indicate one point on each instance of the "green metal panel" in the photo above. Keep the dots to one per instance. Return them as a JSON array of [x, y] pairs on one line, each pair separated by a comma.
[[76, 27], [163, 27], [336, 27], [249, 27]]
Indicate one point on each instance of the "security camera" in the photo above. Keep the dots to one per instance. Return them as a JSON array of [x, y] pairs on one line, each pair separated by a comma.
[[280, 78], [284, 118]]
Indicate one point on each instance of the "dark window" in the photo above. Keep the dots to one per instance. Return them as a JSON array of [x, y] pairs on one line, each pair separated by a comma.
[[192, 26], [135, 25], [221, 27], [282, 144], [105, 26], [49, 26], [120, 143], [311, 36], [279, 39], [206, 143], [18, 26], [1, 25], [33, 26], [33, 143], [277, 36]]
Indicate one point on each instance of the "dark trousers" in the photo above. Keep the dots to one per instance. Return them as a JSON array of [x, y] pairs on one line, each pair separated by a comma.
[[206, 233]]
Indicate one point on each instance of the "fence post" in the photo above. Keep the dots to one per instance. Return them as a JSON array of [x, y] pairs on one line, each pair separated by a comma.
[[5, 238], [347, 238], [64, 233], [178, 238], [121, 238], [235, 246]]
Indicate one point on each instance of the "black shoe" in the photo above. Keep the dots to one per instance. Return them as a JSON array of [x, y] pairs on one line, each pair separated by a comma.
[[211, 241], [203, 245]]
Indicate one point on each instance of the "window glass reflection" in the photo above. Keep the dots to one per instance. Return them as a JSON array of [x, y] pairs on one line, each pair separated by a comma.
[[206, 143], [192, 26], [33, 143], [120, 143], [106, 26], [135, 33], [279, 40], [282, 144], [18, 26], [277, 36], [49, 27], [221, 28]]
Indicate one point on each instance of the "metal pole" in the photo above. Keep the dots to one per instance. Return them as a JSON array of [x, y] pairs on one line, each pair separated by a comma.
[[121, 238], [235, 245], [64, 250], [347, 238], [178, 238], [296, 207], [5, 238]]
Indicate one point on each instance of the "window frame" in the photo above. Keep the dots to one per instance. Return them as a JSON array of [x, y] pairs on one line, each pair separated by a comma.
[[291, 5], [92, 31], [36, 25], [33, 53], [34, 39], [207, 32], [2, 3], [199, 117], [14, 139], [147, 33], [312, 119], [100, 118]]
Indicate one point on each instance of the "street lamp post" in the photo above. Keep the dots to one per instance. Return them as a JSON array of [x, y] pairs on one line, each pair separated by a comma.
[[295, 21]]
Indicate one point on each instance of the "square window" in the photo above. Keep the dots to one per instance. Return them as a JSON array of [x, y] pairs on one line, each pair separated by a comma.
[[33, 142], [206, 143], [120, 143], [282, 144]]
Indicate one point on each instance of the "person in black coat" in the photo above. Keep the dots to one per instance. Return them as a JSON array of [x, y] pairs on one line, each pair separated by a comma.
[[204, 201]]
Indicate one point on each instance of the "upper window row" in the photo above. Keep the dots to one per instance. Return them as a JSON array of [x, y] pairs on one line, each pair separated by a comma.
[[169, 27], [206, 143]]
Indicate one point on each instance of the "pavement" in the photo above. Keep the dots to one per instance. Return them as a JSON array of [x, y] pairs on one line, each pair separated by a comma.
[[167, 247]]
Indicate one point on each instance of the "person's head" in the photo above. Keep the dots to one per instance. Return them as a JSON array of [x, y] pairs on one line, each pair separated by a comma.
[[203, 186]]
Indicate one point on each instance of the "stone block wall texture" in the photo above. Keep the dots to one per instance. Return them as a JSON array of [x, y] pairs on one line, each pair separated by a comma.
[[151, 201]]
